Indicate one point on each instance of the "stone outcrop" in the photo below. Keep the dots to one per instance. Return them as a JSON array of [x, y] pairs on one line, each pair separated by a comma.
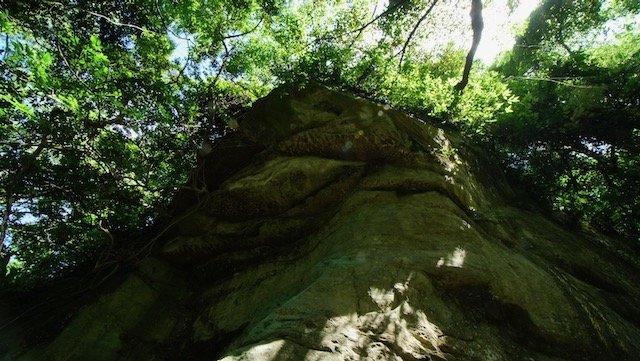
[[333, 228]]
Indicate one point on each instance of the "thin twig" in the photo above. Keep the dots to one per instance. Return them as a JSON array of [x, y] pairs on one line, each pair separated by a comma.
[[6, 47], [375, 9], [167, 27], [223, 64], [243, 34], [551, 80], [117, 23], [71, 70], [359, 30], [413, 31], [160, 15], [108, 19], [389, 10], [186, 63]]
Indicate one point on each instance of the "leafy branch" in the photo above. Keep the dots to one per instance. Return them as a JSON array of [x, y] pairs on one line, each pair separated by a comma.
[[101, 16]]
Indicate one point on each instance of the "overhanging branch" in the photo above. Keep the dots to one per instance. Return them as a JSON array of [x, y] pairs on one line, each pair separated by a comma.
[[477, 24], [413, 31]]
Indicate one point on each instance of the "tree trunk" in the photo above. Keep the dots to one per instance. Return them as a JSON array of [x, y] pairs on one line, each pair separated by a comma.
[[4, 262]]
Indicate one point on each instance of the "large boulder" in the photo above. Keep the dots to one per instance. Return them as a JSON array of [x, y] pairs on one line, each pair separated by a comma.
[[351, 231]]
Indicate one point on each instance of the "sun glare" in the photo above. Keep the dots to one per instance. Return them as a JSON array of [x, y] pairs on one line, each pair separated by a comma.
[[500, 27]]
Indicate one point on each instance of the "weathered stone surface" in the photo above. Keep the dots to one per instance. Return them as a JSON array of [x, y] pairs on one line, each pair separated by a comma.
[[252, 193], [359, 233], [124, 324]]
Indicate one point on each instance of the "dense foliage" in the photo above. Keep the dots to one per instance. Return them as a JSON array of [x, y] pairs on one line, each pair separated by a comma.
[[105, 105], [574, 133]]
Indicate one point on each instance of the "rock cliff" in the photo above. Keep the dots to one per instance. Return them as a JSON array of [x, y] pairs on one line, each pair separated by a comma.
[[332, 228]]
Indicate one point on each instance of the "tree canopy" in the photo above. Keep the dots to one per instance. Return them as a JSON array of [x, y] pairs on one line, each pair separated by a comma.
[[105, 106]]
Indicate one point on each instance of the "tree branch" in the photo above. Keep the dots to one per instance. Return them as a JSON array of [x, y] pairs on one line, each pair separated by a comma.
[[389, 10], [117, 23], [108, 19], [359, 30], [243, 34], [551, 80], [477, 24], [27, 164], [6, 47], [413, 31]]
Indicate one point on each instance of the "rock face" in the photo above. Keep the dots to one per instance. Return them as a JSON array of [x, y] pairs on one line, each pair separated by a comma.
[[333, 228]]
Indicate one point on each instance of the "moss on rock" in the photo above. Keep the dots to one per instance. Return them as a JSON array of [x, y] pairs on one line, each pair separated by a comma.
[[352, 231]]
